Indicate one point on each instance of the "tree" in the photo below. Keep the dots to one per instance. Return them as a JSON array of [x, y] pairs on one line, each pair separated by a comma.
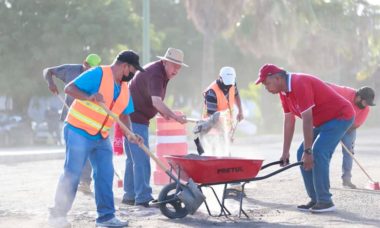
[[35, 34], [335, 40], [211, 18]]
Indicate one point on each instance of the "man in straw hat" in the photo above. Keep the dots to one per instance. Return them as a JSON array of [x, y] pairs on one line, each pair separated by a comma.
[[326, 116], [66, 73], [360, 100], [148, 91]]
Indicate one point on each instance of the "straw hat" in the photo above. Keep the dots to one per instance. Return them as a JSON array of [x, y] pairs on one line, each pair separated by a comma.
[[174, 55]]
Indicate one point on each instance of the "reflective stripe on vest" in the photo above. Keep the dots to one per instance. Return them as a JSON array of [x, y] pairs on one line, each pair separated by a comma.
[[91, 117], [222, 102]]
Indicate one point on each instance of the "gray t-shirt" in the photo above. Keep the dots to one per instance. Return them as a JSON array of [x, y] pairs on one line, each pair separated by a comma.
[[66, 73]]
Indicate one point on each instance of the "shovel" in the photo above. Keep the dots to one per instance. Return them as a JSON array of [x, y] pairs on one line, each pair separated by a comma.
[[190, 195]]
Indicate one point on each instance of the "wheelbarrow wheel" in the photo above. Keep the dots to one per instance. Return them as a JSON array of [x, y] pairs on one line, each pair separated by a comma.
[[170, 205]]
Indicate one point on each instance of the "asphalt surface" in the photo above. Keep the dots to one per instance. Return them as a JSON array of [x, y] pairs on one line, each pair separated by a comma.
[[29, 177]]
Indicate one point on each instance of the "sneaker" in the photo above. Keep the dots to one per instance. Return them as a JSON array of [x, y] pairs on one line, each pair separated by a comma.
[[323, 207], [306, 207], [128, 202], [84, 188], [113, 222], [58, 222], [151, 203], [348, 184]]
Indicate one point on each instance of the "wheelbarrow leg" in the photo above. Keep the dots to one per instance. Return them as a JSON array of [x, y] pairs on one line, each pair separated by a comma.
[[223, 209], [241, 201], [208, 209]]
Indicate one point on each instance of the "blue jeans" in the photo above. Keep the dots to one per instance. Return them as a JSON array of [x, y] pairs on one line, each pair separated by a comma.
[[349, 141], [78, 150], [326, 138], [86, 173], [137, 168]]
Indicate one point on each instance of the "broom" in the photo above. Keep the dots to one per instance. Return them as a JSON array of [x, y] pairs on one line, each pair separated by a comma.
[[373, 185]]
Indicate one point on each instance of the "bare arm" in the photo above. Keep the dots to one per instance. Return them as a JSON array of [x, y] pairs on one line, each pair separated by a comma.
[[165, 111], [75, 92], [307, 126], [240, 115], [48, 76], [289, 123], [126, 121]]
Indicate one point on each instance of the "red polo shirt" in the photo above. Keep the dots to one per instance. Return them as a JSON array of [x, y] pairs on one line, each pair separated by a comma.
[[349, 94], [307, 91]]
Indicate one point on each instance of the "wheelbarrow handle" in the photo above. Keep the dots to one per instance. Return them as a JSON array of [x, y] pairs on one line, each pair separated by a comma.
[[134, 137], [277, 171]]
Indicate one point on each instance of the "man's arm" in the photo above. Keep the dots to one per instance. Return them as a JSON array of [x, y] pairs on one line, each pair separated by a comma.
[[48, 76], [240, 115], [72, 90], [165, 111], [289, 123], [307, 126]]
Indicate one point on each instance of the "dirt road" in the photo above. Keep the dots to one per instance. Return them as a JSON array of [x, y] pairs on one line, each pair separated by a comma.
[[27, 189]]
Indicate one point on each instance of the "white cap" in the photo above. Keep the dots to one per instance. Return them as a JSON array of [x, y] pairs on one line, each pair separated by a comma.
[[228, 75]]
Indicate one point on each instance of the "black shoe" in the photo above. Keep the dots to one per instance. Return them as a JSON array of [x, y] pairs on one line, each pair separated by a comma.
[[306, 207], [128, 202], [144, 204], [323, 207], [348, 184], [151, 203]]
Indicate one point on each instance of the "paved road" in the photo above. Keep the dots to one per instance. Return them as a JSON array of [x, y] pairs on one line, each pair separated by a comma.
[[28, 184]]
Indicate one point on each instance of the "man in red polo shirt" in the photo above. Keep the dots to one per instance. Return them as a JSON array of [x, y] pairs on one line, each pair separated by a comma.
[[360, 99], [326, 116]]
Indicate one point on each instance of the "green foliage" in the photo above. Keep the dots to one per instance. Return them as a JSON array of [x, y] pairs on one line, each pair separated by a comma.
[[36, 34]]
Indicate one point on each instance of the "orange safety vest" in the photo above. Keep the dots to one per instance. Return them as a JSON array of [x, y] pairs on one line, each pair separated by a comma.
[[222, 102], [91, 117]]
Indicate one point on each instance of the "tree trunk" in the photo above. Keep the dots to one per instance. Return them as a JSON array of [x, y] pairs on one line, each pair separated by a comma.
[[208, 72]]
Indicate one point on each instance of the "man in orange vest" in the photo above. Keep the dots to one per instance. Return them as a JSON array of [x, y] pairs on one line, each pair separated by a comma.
[[86, 134], [221, 95]]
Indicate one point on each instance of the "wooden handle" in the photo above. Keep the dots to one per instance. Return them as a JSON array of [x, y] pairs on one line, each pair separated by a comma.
[[193, 120], [353, 157], [134, 137], [63, 101]]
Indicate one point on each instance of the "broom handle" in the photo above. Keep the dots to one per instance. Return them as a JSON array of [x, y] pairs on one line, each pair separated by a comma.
[[353, 157], [63, 101], [129, 132]]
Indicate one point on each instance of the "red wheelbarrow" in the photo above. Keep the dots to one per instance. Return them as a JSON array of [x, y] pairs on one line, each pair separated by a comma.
[[207, 171]]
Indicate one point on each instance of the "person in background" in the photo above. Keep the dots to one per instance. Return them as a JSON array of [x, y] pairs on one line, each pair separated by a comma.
[[66, 73], [360, 99], [86, 133], [326, 116], [148, 91], [221, 96]]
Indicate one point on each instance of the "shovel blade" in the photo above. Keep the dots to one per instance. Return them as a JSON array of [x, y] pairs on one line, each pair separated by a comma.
[[191, 196]]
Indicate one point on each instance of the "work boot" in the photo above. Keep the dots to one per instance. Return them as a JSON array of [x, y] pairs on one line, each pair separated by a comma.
[[348, 184]]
